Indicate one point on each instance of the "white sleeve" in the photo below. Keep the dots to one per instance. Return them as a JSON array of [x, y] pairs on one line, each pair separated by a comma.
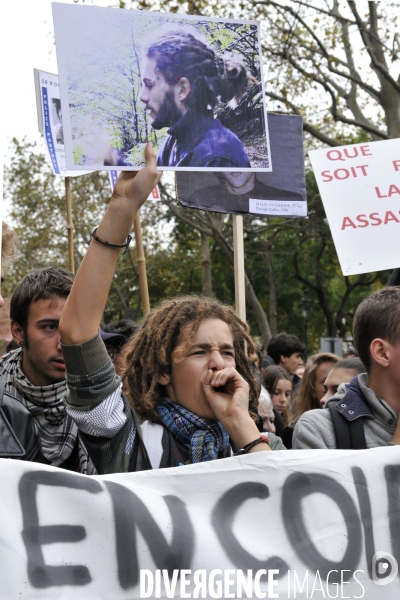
[[105, 420], [152, 438]]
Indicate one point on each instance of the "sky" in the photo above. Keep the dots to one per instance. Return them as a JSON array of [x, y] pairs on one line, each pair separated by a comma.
[[26, 42]]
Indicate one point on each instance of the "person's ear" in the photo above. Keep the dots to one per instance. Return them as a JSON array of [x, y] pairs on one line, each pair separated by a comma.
[[17, 332], [184, 88], [380, 354], [163, 379]]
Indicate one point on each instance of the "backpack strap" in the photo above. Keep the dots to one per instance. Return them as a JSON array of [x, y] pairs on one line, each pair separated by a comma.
[[349, 434]]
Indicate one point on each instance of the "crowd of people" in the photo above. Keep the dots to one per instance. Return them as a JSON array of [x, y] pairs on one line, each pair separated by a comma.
[[188, 385]]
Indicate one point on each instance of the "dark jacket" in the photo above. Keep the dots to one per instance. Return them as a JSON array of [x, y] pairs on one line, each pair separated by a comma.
[[18, 437], [315, 429], [201, 141]]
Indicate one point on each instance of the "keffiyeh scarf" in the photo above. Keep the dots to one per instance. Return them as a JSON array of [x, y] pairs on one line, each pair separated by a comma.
[[57, 431], [203, 438]]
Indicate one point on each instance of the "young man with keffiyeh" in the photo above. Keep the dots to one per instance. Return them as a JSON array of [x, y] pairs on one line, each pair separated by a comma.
[[34, 374], [18, 437], [188, 369]]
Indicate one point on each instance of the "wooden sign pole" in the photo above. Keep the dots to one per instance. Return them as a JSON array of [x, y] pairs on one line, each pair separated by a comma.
[[144, 290], [238, 253], [70, 228]]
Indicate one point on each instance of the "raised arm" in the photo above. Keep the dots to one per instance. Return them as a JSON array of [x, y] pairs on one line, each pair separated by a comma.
[[85, 305]]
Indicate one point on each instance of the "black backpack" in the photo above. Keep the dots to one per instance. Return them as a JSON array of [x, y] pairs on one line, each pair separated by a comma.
[[349, 434]]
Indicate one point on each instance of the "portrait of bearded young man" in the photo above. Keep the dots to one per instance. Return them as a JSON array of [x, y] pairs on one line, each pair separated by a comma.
[[181, 79]]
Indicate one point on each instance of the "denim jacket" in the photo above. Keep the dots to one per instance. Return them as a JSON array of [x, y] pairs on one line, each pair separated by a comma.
[[201, 141]]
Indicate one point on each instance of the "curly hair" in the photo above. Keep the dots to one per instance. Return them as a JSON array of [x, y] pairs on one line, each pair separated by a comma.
[[151, 352], [306, 398], [180, 54]]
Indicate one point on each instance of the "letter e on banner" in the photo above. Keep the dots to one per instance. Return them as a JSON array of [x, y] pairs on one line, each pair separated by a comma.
[[35, 535]]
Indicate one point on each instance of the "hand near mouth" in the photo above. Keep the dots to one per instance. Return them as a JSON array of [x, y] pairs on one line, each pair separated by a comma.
[[227, 393]]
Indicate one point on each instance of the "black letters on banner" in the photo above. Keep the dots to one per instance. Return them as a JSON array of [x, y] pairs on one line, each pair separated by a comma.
[[222, 519], [392, 475], [131, 513], [34, 535], [296, 488], [364, 502]]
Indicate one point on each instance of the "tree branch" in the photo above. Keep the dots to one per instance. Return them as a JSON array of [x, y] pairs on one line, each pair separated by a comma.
[[317, 133], [370, 44], [317, 9], [334, 110]]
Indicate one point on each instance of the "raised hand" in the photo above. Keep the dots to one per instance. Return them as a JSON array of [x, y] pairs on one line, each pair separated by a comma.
[[84, 308], [137, 185]]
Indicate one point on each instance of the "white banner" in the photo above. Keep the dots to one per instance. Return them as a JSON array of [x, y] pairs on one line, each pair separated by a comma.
[[360, 189], [296, 524]]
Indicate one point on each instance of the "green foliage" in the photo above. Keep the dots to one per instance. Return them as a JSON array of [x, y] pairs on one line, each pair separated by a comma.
[[305, 267], [39, 217], [325, 64], [311, 290], [39, 210]]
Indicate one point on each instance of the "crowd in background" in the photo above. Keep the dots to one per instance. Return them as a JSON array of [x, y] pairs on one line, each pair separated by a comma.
[[291, 388], [188, 384]]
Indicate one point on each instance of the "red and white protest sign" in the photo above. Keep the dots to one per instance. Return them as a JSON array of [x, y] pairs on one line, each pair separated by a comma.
[[360, 189]]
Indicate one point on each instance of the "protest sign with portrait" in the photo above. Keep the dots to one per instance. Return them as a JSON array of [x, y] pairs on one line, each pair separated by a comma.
[[281, 193], [193, 86]]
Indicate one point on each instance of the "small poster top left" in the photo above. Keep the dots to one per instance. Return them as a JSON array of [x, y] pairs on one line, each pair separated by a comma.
[[50, 121]]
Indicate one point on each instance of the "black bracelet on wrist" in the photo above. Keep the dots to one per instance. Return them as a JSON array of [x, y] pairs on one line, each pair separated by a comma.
[[124, 245], [262, 439]]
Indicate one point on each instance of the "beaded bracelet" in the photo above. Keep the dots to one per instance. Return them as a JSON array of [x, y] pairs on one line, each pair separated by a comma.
[[124, 245], [263, 438]]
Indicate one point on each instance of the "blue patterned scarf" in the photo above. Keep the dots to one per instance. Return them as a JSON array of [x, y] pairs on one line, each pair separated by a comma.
[[203, 438]]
